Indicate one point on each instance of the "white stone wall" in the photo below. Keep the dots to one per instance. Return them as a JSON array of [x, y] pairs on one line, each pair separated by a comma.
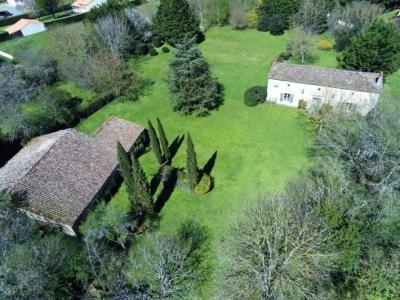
[[33, 28], [86, 8], [363, 101]]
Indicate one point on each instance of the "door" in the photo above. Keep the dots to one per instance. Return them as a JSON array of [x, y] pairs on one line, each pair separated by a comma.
[[315, 104]]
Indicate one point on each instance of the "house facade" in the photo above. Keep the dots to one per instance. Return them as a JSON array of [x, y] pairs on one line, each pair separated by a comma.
[[84, 6], [56, 178], [289, 84], [26, 27]]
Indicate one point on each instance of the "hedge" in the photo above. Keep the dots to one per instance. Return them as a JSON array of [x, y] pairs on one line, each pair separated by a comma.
[[4, 36], [13, 19], [66, 20]]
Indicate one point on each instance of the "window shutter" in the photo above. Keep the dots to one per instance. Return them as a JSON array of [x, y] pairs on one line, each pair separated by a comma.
[[282, 95], [291, 98]]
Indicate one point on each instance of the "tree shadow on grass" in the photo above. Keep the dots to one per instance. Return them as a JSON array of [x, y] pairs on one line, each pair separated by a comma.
[[169, 187], [209, 166], [155, 181], [175, 145]]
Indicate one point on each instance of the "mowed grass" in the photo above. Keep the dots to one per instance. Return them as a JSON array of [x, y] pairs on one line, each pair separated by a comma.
[[258, 149]]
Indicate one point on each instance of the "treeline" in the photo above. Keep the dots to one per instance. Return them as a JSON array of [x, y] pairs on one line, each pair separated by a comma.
[[334, 232]]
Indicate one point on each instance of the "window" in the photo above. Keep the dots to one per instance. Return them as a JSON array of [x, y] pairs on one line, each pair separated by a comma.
[[287, 97], [350, 107]]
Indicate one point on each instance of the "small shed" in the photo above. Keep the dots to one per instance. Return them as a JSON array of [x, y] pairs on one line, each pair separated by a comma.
[[25, 27]]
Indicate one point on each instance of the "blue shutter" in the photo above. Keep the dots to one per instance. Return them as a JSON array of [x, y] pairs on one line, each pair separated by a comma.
[[282, 95], [291, 98]]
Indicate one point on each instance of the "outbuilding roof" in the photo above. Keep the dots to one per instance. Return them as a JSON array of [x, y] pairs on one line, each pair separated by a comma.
[[334, 78], [21, 24], [59, 174], [81, 2]]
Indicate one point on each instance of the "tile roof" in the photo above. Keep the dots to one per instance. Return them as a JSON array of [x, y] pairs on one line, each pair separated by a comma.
[[21, 24], [334, 78], [114, 130], [58, 175], [81, 2]]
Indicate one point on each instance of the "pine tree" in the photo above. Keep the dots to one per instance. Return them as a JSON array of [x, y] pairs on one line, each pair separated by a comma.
[[193, 89], [192, 171], [375, 49], [155, 143], [125, 166], [175, 21], [163, 140], [141, 185]]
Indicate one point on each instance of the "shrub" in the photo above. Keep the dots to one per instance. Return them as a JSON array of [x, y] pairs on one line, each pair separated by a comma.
[[325, 45], [263, 23], [157, 41], [141, 49], [255, 95], [204, 186], [276, 26], [200, 37], [153, 52], [285, 55], [165, 49], [302, 105]]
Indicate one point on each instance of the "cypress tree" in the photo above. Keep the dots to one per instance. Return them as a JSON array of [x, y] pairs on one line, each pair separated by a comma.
[[125, 166], [155, 143], [163, 140], [175, 21], [193, 89], [192, 171], [141, 185]]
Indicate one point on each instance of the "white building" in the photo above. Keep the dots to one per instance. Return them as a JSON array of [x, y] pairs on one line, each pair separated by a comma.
[[26, 27], [288, 84], [84, 6], [16, 2]]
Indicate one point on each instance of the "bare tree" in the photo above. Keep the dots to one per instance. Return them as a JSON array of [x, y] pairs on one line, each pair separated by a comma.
[[173, 265], [312, 16], [238, 15], [141, 27], [302, 46], [115, 32], [279, 251]]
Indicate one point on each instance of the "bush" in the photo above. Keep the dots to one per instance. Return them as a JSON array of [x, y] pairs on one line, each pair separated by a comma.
[[204, 186], [276, 26], [255, 95], [157, 41], [165, 49], [153, 52], [200, 37], [325, 45], [285, 55], [4, 36], [263, 23], [302, 105], [141, 49]]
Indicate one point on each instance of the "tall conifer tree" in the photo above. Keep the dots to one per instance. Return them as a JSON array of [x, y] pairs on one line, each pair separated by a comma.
[[163, 140], [192, 171], [175, 21], [141, 185], [193, 89], [125, 166], [155, 143]]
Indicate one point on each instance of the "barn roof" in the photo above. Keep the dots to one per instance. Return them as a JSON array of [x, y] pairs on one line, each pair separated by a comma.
[[334, 78], [58, 175], [21, 24]]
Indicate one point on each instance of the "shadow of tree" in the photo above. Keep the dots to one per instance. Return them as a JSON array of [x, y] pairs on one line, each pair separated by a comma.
[[209, 166], [155, 181], [175, 145], [169, 187]]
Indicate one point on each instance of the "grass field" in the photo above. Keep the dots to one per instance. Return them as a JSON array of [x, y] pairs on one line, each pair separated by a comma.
[[258, 149]]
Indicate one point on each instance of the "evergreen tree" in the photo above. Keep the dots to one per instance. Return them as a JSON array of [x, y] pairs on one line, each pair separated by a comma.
[[193, 89], [375, 49], [155, 143], [163, 140], [175, 21], [141, 185], [282, 9], [125, 165], [48, 6], [192, 172]]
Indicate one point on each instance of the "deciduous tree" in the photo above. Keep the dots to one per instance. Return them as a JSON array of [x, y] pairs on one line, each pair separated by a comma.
[[48, 6]]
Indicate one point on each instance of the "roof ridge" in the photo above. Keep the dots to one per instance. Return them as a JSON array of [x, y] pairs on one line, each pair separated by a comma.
[[326, 68]]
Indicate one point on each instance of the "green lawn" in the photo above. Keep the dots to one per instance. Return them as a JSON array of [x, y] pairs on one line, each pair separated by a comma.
[[259, 149]]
